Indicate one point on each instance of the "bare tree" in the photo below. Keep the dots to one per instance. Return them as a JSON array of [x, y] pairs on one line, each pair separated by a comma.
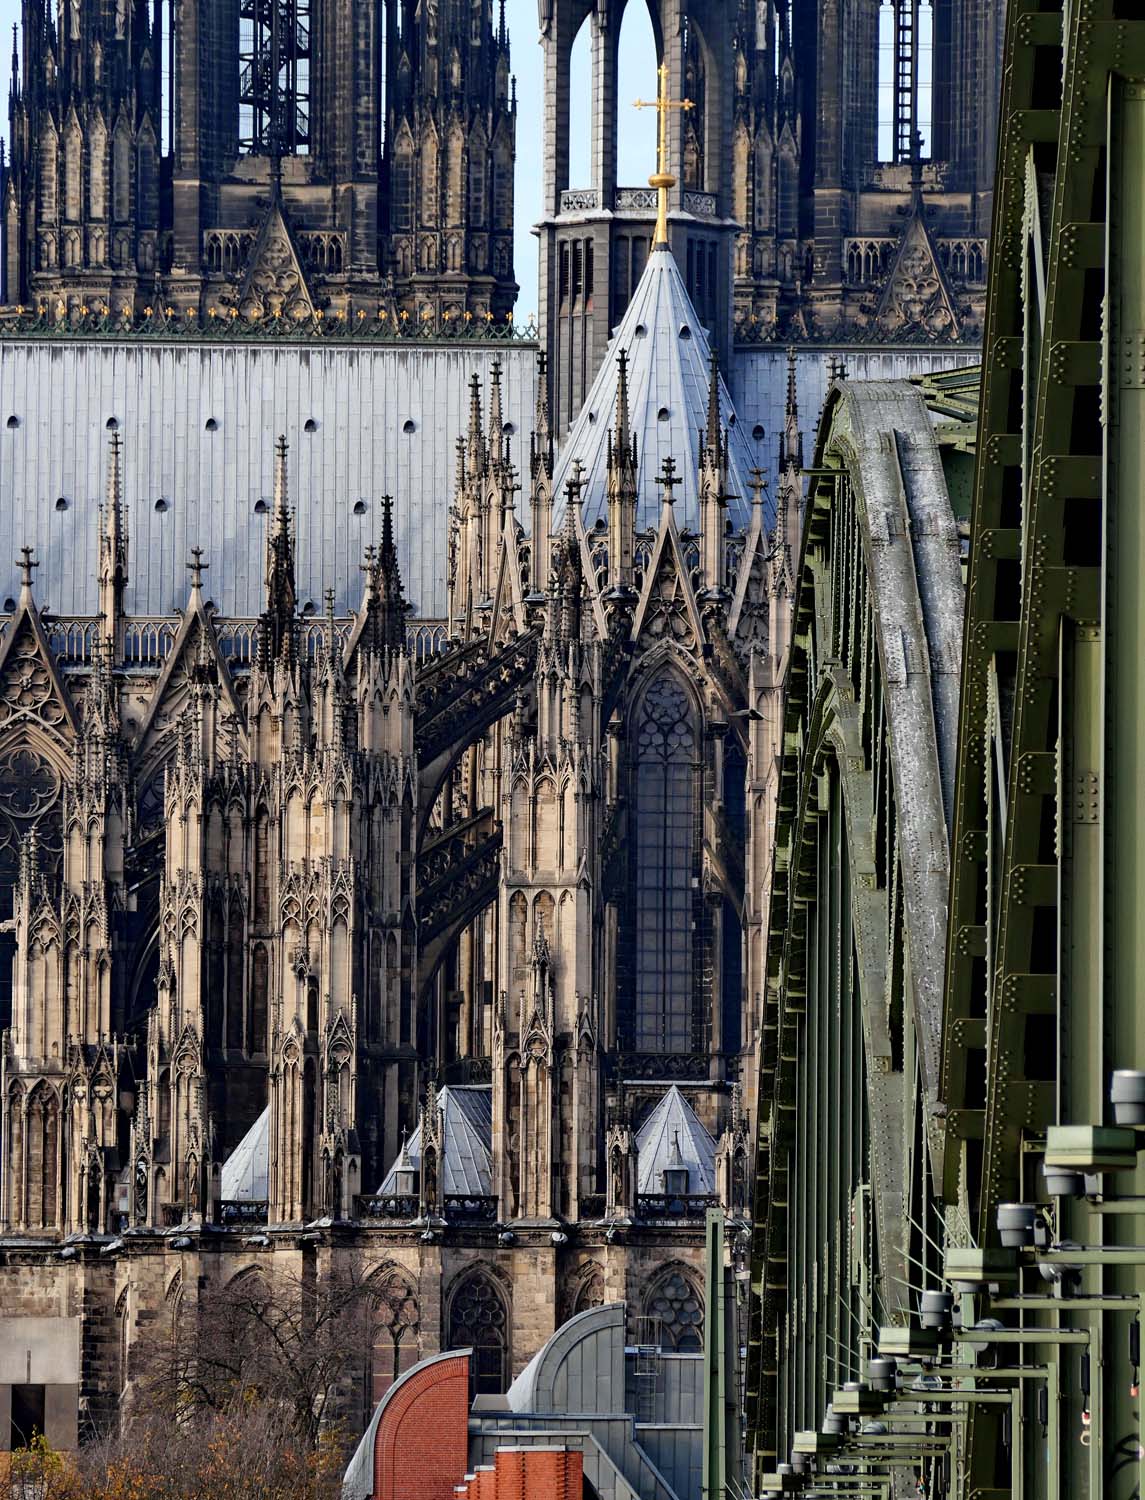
[[293, 1342]]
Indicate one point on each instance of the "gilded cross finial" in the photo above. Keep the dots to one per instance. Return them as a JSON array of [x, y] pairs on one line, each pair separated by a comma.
[[662, 179]]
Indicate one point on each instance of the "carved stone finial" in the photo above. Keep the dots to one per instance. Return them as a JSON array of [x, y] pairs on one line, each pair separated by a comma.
[[26, 563], [197, 567]]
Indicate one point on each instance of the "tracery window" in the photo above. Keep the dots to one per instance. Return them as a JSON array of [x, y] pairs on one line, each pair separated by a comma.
[[666, 781], [677, 1311], [394, 1341], [477, 1321], [590, 1292]]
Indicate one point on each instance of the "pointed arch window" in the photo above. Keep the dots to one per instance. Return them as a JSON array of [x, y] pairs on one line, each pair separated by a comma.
[[666, 776], [395, 1323], [477, 1321], [31, 798], [676, 1311]]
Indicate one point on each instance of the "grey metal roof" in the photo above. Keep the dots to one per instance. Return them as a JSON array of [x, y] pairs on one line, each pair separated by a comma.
[[759, 384], [381, 421], [672, 1136], [468, 1141], [668, 375], [579, 1369], [245, 1174]]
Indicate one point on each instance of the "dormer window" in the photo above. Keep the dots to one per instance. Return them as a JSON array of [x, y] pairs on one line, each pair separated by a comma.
[[407, 1178], [675, 1176], [676, 1182]]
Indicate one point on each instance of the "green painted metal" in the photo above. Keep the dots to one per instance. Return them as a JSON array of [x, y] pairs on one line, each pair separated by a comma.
[[1044, 949], [722, 1435], [848, 1151]]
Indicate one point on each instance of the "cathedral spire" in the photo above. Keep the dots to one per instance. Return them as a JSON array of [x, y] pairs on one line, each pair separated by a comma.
[[475, 448], [497, 444], [113, 551], [386, 603], [791, 448], [277, 628], [622, 436], [713, 492], [621, 484], [542, 443], [713, 433]]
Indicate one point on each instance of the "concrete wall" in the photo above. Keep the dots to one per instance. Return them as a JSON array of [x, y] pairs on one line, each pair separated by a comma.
[[42, 1351]]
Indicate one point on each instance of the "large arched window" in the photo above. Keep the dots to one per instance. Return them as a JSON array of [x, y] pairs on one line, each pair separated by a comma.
[[477, 1321], [31, 799], [394, 1324], [675, 1310], [665, 786]]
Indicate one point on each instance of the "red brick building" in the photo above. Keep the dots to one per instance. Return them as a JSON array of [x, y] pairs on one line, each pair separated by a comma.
[[527, 1474]]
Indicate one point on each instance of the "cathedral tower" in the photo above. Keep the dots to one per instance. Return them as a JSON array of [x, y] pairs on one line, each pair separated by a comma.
[[863, 145], [597, 236], [450, 145], [228, 157]]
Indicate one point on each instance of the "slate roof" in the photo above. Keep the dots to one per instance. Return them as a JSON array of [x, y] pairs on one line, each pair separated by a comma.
[[468, 1141], [669, 367], [672, 1136], [245, 1174]]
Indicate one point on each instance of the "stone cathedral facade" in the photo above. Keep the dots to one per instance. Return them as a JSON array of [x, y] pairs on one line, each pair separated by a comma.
[[326, 949], [228, 155]]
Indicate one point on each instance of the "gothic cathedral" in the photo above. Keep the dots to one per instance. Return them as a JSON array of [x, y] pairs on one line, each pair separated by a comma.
[[391, 701]]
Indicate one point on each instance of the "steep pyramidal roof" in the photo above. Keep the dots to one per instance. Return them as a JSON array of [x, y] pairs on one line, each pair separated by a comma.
[[673, 1136], [468, 1169], [668, 377]]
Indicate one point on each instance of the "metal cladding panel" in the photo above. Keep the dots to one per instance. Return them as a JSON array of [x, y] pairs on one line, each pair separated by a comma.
[[57, 399], [759, 383], [679, 1399], [678, 1455]]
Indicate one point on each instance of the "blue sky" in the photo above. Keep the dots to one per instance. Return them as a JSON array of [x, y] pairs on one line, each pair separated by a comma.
[[638, 128]]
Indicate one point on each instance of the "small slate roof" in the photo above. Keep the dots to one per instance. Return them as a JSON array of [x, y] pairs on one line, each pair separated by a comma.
[[669, 369], [672, 1136], [468, 1142], [245, 1174]]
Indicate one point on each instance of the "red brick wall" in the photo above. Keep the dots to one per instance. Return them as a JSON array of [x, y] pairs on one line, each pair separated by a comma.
[[528, 1474], [422, 1444]]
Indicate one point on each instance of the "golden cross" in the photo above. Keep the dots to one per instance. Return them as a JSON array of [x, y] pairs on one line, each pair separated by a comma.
[[662, 179]]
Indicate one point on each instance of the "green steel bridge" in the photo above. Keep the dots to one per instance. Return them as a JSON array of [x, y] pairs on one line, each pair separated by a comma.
[[948, 1260]]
